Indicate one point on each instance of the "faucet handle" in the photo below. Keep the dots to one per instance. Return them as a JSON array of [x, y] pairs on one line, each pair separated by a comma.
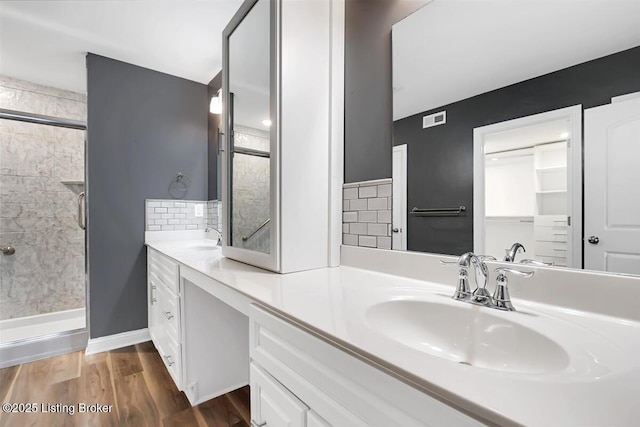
[[501, 298], [535, 262], [463, 261], [502, 270]]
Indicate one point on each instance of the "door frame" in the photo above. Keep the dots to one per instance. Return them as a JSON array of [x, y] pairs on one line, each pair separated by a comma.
[[399, 183], [574, 174]]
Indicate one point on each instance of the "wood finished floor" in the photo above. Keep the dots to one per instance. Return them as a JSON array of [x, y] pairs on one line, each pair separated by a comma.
[[132, 379]]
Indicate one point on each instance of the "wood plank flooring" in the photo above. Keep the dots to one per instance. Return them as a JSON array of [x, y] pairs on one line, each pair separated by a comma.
[[133, 381]]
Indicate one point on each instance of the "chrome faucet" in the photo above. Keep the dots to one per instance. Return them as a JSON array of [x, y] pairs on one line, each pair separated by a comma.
[[480, 296], [463, 291], [511, 253], [208, 229]]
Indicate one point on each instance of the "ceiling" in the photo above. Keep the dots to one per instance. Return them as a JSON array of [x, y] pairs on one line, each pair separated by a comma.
[[46, 41], [450, 50]]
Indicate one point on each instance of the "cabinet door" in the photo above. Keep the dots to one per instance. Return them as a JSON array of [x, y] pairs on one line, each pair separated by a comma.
[[314, 420], [273, 405]]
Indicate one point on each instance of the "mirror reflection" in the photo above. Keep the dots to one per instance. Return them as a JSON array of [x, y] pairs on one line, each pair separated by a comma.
[[250, 139], [502, 109]]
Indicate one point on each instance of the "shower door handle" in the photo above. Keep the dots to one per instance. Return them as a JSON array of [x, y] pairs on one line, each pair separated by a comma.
[[7, 250], [81, 211]]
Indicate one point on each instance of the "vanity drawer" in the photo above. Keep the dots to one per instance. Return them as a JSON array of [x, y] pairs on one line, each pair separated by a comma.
[[171, 355], [170, 313], [165, 269]]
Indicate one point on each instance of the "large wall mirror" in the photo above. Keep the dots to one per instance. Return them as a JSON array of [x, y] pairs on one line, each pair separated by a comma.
[[249, 130], [519, 122]]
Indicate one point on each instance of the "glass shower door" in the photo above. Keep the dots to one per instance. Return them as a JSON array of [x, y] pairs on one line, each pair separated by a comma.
[[42, 243]]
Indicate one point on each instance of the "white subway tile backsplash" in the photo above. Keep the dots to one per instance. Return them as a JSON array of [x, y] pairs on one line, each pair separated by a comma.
[[367, 241], [350, 193], [358, 205], [173, 215], [367, 213], [358, 228], [384, 190], [384, 216], [367, 216], [376, 204], [366, 192], [349, 239], [384, 242], [350, 217], [377, 229]]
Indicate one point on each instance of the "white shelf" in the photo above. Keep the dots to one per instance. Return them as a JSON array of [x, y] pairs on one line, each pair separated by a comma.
[[551, 192], [552, 169]]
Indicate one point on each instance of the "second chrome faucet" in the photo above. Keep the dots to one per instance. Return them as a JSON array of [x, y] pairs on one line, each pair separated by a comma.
[[480, 296]]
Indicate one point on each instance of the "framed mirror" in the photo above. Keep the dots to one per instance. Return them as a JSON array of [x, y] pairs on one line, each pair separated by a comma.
[[498, 107], [250, 129]]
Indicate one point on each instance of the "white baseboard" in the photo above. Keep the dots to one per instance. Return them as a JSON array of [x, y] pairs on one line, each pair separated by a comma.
[[112, 342]]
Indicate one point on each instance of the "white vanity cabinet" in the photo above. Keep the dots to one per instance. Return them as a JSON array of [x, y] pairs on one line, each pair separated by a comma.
[[297, 379], [163, 287]]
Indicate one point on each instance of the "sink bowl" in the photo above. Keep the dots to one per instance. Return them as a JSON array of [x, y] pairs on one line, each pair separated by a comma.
[[469, 335]]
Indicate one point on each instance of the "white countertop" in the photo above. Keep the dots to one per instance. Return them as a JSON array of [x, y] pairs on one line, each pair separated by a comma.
[[601, 385]]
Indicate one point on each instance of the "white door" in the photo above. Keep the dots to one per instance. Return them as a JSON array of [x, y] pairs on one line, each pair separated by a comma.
[[611, 193], [399, 174]]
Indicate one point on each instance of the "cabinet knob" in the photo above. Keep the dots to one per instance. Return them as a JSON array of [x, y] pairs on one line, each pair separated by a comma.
[[168, 315], [594, 240], [396, 230]]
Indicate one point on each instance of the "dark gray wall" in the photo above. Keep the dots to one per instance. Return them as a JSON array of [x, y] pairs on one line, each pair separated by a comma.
[[440, 159], [215, 122], [143, 128], [368, 119]]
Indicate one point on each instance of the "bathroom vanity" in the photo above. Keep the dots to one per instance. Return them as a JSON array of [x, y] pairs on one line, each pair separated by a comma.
[[363, 344]]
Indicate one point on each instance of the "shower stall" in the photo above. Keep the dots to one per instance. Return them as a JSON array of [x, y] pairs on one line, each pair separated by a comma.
[[42, 221]]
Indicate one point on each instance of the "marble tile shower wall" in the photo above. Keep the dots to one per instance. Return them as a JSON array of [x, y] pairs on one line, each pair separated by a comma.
[[366, 214], [251, 176], [41, 175]]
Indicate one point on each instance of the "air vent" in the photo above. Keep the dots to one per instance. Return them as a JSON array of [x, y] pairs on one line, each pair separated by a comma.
[[434, 119]]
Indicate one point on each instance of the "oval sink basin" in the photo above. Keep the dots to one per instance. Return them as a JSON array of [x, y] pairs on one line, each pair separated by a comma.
[[469, 335]]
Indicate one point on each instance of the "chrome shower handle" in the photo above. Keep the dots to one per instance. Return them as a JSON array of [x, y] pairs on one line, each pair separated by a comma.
[[81, 211]]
